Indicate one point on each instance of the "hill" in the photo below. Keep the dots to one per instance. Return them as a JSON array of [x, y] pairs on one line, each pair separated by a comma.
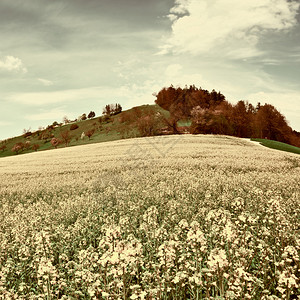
[[173, 217], [145, 120], [115, 127]]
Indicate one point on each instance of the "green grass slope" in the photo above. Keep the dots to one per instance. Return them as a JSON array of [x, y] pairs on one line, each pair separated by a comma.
[[117, 127], [278, 145]]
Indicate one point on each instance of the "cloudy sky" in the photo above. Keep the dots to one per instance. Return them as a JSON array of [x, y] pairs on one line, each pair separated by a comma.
[[68, 57]]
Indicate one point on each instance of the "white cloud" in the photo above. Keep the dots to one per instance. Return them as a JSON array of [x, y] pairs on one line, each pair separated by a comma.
[[232, 28], [11, 63], [44, 98], [126, 95], [45, 82], [173, 70], [43, 115], [5, 123]]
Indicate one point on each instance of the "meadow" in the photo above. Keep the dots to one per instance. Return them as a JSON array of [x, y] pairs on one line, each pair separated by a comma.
[[167, 217]]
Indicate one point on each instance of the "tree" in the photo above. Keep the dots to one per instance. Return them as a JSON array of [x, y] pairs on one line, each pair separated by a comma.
[[271, 124], [112, 109], [149, 124], [107, 110], [18, 147], [27, 145], [241, 119], [91, 115], [89, 133], [66, 120], [118, 108], [73, 126], [35, 147], [181, 101], [202, 120], [55, 142], [3, 147], [66, 137]]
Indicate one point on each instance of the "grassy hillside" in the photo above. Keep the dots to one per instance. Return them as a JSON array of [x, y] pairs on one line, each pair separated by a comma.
[[122, 126], [278, 145], [168, 217], [107, 130]]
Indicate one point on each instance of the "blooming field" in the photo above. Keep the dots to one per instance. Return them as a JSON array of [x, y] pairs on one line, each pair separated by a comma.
[[188, 217]]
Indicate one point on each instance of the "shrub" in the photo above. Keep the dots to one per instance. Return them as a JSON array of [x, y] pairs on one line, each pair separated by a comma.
[[66, 137], [27, 134], [3, 147], [112, 109], [55, 142], [73, 127], [90, 133], [91, 115], [27, 145], [35, 147], [18, 147]]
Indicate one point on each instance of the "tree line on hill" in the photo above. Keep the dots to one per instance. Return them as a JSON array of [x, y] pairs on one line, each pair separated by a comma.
[[211, 113]]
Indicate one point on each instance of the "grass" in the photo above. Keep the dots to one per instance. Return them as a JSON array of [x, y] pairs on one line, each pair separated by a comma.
[[105, 131], [277, 145]]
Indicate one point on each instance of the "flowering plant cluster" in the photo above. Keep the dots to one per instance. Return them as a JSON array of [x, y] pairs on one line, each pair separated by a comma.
[[218, 217]]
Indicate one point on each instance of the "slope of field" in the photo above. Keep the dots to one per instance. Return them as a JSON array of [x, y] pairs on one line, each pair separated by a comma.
[[170, 217]]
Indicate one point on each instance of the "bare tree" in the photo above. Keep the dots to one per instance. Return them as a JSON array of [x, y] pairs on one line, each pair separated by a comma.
[[66, 137]]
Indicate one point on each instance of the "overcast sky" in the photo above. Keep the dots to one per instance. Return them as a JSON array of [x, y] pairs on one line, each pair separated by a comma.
[[69, 57]]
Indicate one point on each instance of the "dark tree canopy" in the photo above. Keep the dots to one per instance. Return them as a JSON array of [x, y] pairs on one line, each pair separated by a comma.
[[91, 114], [112, 109], [180, 101], [211, 113]]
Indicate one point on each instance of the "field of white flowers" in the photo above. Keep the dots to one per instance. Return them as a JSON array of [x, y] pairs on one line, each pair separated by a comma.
[[173, 217]]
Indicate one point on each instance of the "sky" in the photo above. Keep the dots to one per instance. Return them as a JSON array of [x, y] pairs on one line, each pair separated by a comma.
[[68, 57]]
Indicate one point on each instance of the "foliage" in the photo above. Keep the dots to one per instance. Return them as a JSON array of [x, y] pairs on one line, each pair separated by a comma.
[[35, 147], [112, 109], [91, 115], [89, 133], [74, 126], [66, 120], [180, 102], [66, 137], [215, 218], [3, 147], [27, 134], [147, 125], [211, 113], [55, 142], [18, 147]]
